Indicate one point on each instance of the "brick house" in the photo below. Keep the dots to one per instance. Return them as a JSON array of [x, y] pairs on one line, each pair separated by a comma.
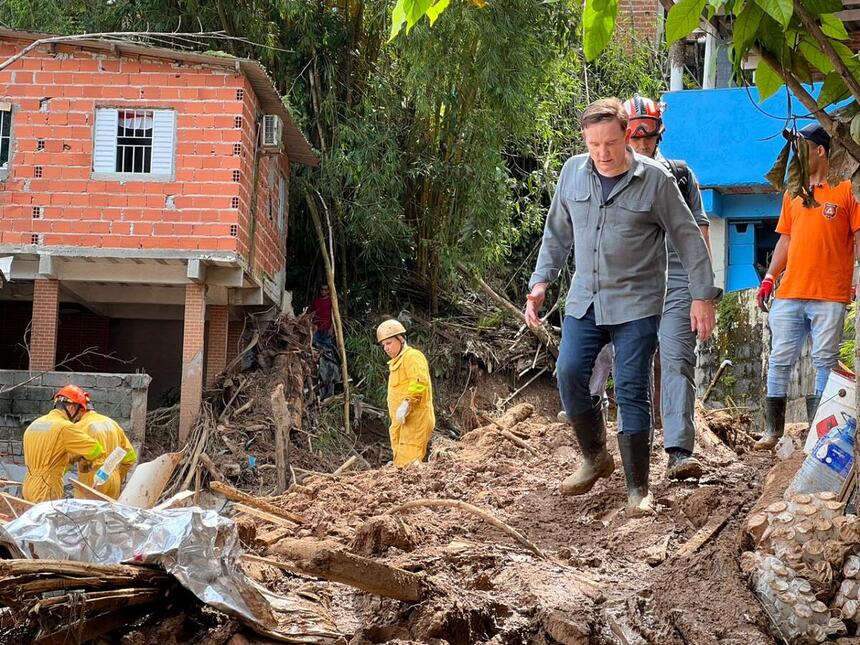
[[144, 201]]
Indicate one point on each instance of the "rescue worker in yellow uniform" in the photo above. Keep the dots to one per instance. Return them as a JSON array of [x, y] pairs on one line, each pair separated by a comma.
[[410, 395], [52, 440], [110, 435]]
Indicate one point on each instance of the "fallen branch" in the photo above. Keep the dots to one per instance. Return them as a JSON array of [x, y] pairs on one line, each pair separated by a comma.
[[282, 436], [519, 442], [211, 468], [238, 496], [524, 386], [506, 305], [91, 493], [333, 562], [474, 510], [709, 530], [349, 463]]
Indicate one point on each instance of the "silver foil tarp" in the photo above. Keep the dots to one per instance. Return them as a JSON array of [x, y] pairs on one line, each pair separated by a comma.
[[199, 547]]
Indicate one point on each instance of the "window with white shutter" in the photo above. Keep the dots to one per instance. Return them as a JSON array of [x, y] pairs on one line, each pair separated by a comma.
[[134, 143]]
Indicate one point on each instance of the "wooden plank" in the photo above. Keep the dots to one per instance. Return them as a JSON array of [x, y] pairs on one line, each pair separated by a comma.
[[282, 436], [263, 515], [91, 493], [709, 530], [275, 535], [249, 500]]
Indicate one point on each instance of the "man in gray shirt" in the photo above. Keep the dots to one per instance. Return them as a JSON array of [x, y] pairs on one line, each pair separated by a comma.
[[615, 208]]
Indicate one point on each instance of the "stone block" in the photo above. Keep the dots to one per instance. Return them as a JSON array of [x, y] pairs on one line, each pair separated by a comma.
[[109, 381]]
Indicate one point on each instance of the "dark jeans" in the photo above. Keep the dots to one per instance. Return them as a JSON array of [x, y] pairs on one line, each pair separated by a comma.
[[323, 338], [635, 343]]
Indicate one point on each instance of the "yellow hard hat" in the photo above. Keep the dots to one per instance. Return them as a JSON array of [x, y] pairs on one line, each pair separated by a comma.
[[389, 329]]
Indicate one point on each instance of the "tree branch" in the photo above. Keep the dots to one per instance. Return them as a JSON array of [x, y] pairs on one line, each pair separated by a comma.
[[836, 129], [827, 47]]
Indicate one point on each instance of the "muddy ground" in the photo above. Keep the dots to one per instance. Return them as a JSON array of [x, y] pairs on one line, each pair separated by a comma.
[[605, 578]]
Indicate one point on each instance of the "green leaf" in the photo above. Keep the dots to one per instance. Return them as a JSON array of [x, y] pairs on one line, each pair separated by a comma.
[[833, 27], [398, 19], [779, 10], [683, 18], [794, 185], [855, 128], [766, 80], [812, 52], [818, 7], [745, 28], [598, 25], [415, 10], [776, 175], [436, 10], [833, 90]]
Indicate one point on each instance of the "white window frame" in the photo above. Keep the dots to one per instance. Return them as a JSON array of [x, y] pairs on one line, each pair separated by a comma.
[[8, 112], [163, 164]]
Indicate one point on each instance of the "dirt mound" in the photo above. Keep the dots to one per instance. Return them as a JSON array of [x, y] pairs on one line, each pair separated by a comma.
[[605, 577]]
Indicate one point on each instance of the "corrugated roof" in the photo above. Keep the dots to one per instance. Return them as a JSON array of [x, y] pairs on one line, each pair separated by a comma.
[[296, 145]]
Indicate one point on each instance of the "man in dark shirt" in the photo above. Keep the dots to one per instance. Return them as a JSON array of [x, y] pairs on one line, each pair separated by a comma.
[[618, 288]]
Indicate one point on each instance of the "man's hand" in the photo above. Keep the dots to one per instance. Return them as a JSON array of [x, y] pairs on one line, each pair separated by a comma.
[[703, 318], [765, 292], [534, 301]]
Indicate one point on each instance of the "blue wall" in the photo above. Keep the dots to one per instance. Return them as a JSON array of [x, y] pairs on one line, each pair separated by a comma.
[[724, 134]]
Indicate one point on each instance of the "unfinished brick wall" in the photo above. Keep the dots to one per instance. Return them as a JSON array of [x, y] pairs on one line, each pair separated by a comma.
[[51, 198], [43, 330], [639, 18]]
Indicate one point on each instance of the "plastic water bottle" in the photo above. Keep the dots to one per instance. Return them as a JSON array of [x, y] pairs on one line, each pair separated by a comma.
[[828, 465], [110, 464]]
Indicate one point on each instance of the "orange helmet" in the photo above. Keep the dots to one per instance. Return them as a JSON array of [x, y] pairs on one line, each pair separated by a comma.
[[72, 394], [644, 117]]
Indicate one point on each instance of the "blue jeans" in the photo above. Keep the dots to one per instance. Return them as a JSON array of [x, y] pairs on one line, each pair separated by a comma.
[[635, 343], [791, 321]]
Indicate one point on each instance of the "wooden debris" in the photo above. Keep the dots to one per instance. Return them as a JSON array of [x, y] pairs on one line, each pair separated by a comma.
[[348, 464], [474, 510], [262, 515], [211, 468], [91, 493], [333, 562], [513, 416], [282, 436], [709, 530], [517, 441], [275, 535], [16, 504], [238, 496]]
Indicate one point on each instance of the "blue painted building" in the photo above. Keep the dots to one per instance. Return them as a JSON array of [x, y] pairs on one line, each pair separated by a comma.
[[730, 141]]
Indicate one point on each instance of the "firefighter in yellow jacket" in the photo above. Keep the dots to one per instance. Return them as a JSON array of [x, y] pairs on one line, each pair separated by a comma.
[[52, 440], [110, 435], [410, 395]]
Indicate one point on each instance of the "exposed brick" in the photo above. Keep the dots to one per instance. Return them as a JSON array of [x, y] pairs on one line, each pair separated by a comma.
[[43, 327]]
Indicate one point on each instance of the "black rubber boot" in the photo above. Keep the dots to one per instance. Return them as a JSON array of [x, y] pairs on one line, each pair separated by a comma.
[[596, 463], [636, 457], [812, 406], [774, 415]]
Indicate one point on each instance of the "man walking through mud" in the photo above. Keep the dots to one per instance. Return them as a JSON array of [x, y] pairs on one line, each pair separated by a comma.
[[677, 343], [619, 207]]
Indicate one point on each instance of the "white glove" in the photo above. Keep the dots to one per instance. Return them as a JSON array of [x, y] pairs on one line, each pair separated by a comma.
[[402, 411]]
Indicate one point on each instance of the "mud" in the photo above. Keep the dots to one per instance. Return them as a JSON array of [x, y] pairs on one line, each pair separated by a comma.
[[607, 578]]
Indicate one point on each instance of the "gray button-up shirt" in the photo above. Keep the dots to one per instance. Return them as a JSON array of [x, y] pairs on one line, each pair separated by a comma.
[[620, 247]]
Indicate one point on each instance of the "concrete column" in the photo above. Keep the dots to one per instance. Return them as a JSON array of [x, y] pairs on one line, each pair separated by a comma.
[[43, 326], [216, 342], [191, 391], [710, 67]]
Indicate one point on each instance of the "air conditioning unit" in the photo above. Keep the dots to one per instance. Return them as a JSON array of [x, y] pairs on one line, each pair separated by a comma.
[[273, 130]]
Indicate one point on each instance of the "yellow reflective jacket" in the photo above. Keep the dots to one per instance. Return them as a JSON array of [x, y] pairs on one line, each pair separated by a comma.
[[409, 379], [48, 443], [110, 435]]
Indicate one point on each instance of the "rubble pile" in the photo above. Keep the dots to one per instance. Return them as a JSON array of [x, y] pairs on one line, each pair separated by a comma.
[[503, 557]]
